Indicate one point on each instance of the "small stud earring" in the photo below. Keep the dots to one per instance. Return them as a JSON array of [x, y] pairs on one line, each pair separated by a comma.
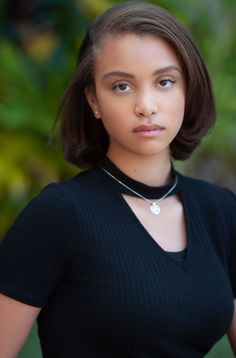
[[96, 113]]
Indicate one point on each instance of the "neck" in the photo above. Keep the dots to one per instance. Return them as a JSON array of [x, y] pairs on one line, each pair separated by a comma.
[[150, 170]]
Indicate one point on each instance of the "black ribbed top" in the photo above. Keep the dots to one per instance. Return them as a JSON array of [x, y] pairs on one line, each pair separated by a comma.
[[149, 192], [106, 287]]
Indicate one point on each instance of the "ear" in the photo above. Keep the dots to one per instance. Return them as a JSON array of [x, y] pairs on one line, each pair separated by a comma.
[[92, 101]]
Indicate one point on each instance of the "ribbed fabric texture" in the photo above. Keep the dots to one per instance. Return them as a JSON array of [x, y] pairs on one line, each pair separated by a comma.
[[106, 287]]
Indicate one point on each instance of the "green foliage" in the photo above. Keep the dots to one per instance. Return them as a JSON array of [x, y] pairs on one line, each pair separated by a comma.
[[36, 64]]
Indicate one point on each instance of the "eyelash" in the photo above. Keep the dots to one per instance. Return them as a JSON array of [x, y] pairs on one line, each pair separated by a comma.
[[116, 87], [167, 80]]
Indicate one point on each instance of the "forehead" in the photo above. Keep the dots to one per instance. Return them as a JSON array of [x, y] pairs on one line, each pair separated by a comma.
[[133, 52]]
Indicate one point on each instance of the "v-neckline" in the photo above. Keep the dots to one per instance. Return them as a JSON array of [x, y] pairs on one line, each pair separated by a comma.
[[119, 194], [185, 262]]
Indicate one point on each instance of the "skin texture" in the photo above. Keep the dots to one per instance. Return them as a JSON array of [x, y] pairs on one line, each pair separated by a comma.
[[16, 320], [123, 102], [150, 90]]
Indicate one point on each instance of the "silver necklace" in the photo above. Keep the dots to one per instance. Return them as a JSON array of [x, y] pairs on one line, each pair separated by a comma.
[[154, 207]]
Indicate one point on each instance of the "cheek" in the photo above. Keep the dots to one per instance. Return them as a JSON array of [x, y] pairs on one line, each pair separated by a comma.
[[110, 116], [178, 105], [106, 103], [113, 113], [180, 109], [108, 110], [176, 113]]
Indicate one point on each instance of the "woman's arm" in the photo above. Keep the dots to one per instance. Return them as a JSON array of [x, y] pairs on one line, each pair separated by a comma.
[[232, 331], [16, 321]]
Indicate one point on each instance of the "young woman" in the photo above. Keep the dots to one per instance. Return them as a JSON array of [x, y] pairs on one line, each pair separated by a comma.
[[128, 258]]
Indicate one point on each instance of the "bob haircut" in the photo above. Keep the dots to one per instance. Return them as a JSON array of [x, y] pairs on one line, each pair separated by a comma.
[[84, 138]]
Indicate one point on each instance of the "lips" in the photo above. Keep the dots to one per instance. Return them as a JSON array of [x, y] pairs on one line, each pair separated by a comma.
[[147, 128]]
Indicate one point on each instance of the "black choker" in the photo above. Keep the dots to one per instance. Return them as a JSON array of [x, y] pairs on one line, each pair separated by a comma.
[[143, 190]]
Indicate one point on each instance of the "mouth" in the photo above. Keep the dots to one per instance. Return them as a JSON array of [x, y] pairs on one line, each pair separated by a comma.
[[148, 130]]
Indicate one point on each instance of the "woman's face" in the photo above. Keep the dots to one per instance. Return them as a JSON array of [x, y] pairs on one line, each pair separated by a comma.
[[139, 94]]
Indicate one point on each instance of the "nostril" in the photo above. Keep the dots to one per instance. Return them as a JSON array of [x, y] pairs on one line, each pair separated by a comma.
[[145, 110]]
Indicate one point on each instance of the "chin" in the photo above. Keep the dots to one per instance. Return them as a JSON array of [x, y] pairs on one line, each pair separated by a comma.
[[153, 153]]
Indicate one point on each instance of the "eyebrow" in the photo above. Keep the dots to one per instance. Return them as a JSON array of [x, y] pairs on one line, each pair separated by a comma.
[[129, 75]]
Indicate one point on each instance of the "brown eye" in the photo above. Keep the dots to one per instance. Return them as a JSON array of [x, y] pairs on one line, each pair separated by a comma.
[[166, 83], [121, 87]]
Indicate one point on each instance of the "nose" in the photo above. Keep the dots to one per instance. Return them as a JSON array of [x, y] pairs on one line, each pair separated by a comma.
[[146, 106]]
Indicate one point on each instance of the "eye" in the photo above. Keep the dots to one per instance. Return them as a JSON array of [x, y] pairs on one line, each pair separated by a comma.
[[166, 83], [121, 87]]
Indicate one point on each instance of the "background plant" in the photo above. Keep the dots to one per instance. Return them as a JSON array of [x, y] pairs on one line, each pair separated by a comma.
[[39, 41]]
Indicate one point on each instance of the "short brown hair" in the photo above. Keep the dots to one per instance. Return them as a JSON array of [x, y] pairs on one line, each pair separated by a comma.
[[84, 139]]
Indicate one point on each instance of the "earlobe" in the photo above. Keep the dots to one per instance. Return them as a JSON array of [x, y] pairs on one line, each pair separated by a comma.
[[96, 114], [92, 101]]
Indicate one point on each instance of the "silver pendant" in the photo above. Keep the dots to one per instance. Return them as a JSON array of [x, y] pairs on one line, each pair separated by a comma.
[[155, 209]]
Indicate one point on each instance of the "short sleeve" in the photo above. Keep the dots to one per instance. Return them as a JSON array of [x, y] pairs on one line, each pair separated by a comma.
[[232, 255], [35, 249]]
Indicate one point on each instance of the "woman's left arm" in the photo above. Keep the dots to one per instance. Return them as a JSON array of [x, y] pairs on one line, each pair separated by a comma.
[[232, 331]]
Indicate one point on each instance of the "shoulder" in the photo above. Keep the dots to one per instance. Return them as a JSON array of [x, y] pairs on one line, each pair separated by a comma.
[[211, 198], [205, 188], [85, 181], [63, 193], [53, 207], [60, 202]]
